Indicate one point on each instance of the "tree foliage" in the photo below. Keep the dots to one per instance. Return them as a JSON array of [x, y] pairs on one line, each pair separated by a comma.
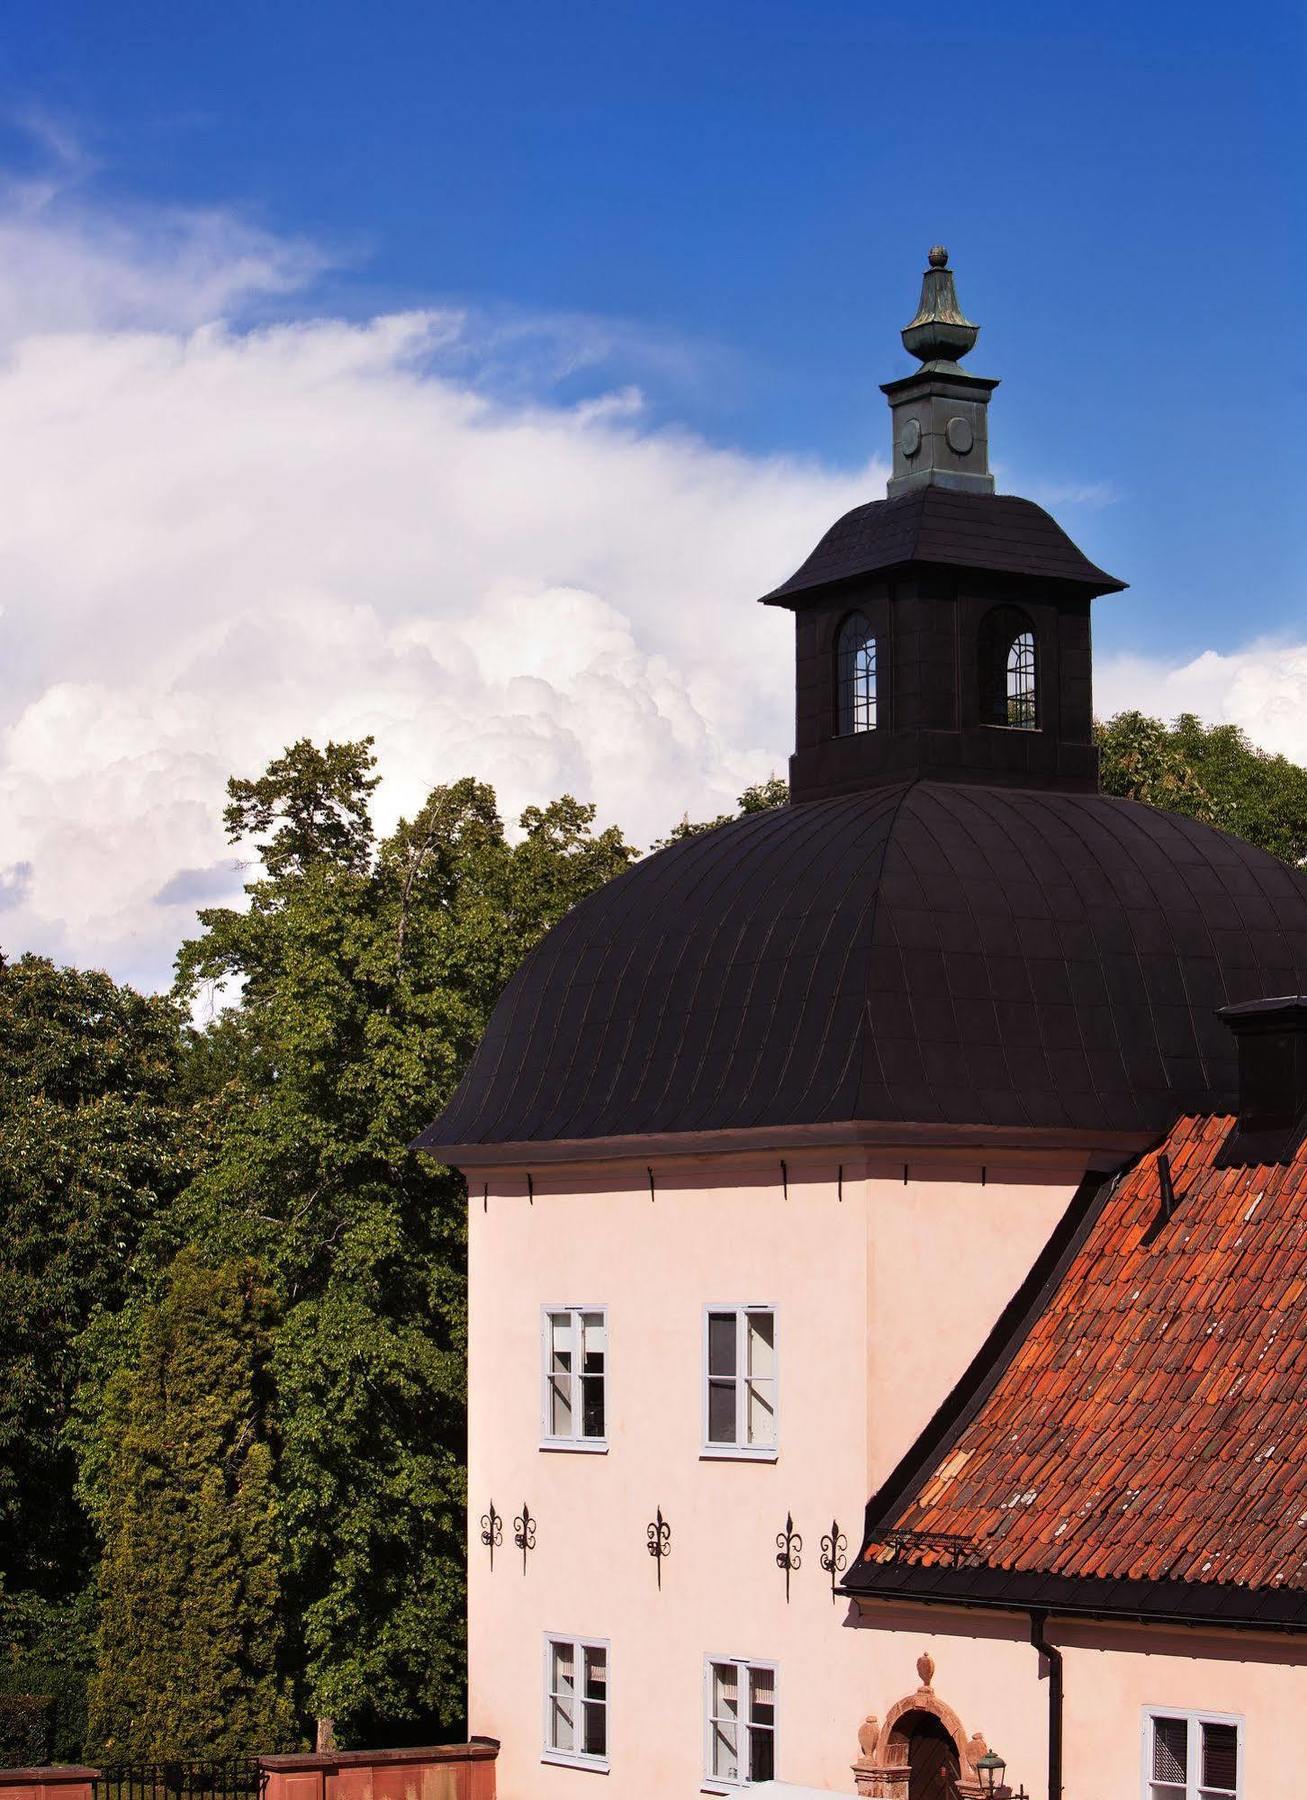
[[760, 797], [191, 1615], [367, 970], [94, 1144], [1208, 772]]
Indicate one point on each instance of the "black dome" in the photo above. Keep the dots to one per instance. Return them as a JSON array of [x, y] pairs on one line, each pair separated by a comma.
[[922, 953]]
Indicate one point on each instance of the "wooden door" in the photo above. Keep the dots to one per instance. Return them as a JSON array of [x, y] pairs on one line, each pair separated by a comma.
[[933, 1762]]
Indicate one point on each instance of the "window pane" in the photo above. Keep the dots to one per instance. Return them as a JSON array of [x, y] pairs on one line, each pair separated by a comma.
[[721, 1412], [762, 1413], [563, 1677], [855, 676], [560, 1374], [592, 1376], [726, 1691], [724, 1731], [1220, 1757], [725, 1756], [560, 1406], [762, 1720], [1021, 681], [1170, 1750], [762, 1698], [596, 1712], [562, 1683], [592, 1406], [596, 1729], [761, 1330], [762, 1755], [721, 1343]]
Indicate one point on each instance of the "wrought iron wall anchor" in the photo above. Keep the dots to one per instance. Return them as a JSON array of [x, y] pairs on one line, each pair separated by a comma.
[[492, 1532], [834, 1557], [659, 1536], [789, 1546], [524, 1533]]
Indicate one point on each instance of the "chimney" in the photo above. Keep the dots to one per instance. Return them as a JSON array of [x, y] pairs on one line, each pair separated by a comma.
[[1271, 1042]]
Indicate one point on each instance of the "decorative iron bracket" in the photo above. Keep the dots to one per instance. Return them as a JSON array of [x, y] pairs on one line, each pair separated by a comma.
[[789, 1546], [524, 1533], [659, 1544], [834, 1555], [492, 1532]]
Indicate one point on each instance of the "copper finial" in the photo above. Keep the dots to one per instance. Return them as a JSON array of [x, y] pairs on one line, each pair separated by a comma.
[[941, 332], [926, 1668]]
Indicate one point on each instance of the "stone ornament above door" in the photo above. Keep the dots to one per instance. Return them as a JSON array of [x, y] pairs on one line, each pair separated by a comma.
[[883, 1772]]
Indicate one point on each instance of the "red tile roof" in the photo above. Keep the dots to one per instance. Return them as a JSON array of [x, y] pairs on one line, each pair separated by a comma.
[[1149, 1425]]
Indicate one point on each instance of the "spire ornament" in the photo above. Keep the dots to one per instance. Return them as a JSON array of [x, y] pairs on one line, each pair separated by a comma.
[[941, 333], [940, 413]]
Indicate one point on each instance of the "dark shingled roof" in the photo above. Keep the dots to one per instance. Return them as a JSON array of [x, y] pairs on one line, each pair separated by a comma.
[[944, 954], [999, 532], [1143, 1427]]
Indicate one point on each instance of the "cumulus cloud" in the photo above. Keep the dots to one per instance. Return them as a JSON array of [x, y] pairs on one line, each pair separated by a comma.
[[1261, 687], [216, 538]]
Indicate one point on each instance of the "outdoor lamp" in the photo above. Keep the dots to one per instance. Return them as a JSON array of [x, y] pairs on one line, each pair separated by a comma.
[[991, 1769]]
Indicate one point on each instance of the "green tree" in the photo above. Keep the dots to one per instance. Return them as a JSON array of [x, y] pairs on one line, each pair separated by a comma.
[[760, 797], [366, 971], [94, 1145], [190, 1620], [1208, 772]]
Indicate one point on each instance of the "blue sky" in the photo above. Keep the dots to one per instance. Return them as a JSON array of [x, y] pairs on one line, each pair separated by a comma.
[[752, 186], [458, 373]]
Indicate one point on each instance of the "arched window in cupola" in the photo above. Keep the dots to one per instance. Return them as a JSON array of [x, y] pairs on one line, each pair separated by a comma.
[[855, 677], [1009, 672]]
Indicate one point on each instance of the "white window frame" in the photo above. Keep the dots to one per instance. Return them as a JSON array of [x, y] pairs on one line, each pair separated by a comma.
[[576, 1759], [719, 1784], [739, 1450], [1194, 1719], [548, 1441]]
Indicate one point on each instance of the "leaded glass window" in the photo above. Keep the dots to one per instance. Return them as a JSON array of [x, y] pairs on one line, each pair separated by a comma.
[[855, 677], [1021, 681], [1009, 670]]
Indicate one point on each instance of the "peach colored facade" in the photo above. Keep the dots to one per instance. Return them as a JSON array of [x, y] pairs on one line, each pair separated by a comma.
[[885, 1279]]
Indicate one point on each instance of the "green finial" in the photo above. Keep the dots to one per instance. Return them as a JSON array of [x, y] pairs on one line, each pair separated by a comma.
[[941, 331]]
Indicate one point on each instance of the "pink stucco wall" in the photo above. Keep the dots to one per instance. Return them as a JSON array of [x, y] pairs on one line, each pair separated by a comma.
[[881, 1299]]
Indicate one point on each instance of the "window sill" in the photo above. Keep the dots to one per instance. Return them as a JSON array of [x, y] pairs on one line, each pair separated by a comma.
[[737, 1453], [597, 1765], [577, 1446]]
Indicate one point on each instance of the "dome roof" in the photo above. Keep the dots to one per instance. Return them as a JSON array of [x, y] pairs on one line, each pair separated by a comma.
[[925, 953]]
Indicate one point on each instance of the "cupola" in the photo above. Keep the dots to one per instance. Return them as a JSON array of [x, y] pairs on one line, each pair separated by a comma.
[[943, 632]]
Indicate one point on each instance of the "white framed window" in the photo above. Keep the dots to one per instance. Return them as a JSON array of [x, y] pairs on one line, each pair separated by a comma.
[[574, 1353], [739, 1721], [739, 1381], [1192, 1755], [576, 1701]]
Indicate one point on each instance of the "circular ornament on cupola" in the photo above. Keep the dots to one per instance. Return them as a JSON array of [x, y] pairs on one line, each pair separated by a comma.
[[910, 438], [960, 436]]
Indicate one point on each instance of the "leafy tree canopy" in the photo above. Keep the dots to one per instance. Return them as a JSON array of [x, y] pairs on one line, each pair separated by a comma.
[[367, 969], [1208, 772], [760, 797], [94, 1144]]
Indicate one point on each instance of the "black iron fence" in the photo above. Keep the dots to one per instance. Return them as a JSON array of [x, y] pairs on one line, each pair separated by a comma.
[[214, 1778]]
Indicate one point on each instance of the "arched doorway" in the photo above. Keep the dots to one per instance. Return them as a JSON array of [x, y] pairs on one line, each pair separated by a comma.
[[933, 1766]]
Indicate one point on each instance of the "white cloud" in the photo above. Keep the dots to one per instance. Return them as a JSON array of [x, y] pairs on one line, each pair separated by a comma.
[[213, 540], [1261, 687]]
